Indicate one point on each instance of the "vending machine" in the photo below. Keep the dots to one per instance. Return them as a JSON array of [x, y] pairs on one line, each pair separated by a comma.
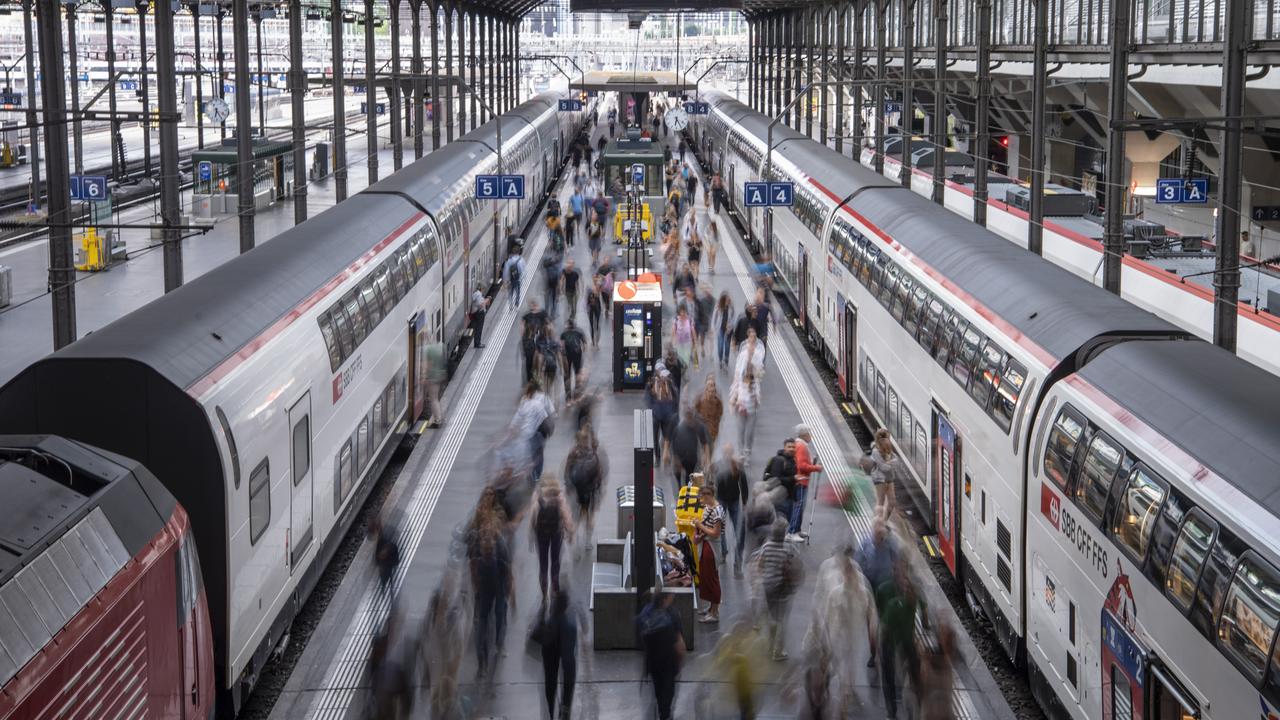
[[637, 331]]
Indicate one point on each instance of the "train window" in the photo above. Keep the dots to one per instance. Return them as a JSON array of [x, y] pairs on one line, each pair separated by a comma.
[[362, 441], [882, 396], [891, 418], [915, 304], [1249, 616], [869, 256], [231, 445], [905, 423], [1121, 695], [359, 331], [419, 257], [1060, 450], [399, 284], [301, 448], [902, 301], [372, 301], [342, 324], [1139, 507], [965, 345], [1187, 560], [986, 373], [879, 265], [330, 341], [1096, 473], [889, 288], [946, 330], [406, 268], [342, 476], [921, 449], [384, 289], [929, 323], [259, 500], [379, 421], [1005, 402], [357, 461]]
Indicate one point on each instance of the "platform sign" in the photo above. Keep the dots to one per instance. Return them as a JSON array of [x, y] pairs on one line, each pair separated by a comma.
[[9, 97], [637, 174], [1176, 191], [1264, 213], [782, 194], [91, 188], [570, 105], [204, 170], [755, 194], [892, 107], [697, 108], [378, 108], [499, 187]]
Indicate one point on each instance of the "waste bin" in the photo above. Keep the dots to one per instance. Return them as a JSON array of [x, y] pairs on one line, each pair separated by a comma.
[[627, 510]]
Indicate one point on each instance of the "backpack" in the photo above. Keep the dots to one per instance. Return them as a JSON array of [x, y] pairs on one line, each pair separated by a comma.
[[547, 521], [515, 273], [583, 473]]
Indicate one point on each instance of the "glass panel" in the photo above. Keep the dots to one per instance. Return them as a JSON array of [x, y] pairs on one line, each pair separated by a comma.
[[1061, 448], [1005, 402], [966, 351], [901, 300], [231, 445], [385, 290], [301, 448], [1100, 465], [1249, 616], [372, 303], [406, 265], [882, 397], [986, 374], [929, 325], [891, 420], [868, 275], [351, 301], [1187, 560], [1121, 695], [330, 336], [399, 285], [890, 285], [1139, 508], [342, 477], [342, 324], [915, 303], [259, 501], [365, 448], [947, 328]]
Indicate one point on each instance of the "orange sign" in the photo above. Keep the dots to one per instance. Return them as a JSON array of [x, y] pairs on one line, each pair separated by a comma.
[[626, 289]]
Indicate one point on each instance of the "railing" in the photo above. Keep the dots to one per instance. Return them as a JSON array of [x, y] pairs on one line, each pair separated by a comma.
[[1082, 23]]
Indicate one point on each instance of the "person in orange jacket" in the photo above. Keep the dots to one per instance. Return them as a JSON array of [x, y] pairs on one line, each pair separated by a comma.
[[804, 468]]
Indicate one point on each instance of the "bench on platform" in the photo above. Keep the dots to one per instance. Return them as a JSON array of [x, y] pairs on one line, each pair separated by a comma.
[[613, 597]]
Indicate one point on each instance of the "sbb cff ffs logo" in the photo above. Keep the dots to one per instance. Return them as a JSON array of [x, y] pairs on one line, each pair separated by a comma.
[[1076, 533]]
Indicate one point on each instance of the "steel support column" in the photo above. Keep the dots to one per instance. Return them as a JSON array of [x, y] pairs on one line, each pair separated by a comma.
[[881, 94], [795, 46], [244, 124], [62, 273], [824, 108], [751, 56], [73, 74], [842, 19], [982, 140], [785, 48], [1226, 281], [779, 79], [222, 68], [939, 100], [195, 34], [167, 102], [474, 72], [491, 65], [415, 68], [462, 70], [435, 74], [515, 63], [448, 69], [908, 113], [262, 105], [810, 40], [1039, 70], [144, 85], [1116, 183], [297, 106], [393, 89], [370, 94], [117, 159], [33, 119], [339, 103], [856, 126]]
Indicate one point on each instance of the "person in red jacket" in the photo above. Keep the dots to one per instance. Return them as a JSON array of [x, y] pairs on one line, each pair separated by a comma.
[[804, 468]]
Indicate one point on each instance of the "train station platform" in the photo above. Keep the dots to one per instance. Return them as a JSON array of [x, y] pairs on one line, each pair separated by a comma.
[[434, 494]]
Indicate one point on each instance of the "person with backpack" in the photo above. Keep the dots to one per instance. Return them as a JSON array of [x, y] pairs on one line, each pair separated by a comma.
[[489, 557], [513, 269], [572, 341], [559, 639], [549, 527], [595, 236], [531, 326], [730, 482], [551, 270], [805, 467], [779, 573], [549, 350], [595, 307], [782, 467], [571, 284], [662, 642], [584, 470]]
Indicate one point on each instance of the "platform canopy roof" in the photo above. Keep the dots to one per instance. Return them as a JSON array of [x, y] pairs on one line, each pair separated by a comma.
[[628, 81]]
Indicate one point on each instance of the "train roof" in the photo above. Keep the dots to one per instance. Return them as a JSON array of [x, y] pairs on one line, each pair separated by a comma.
[[187, 333], [1218, 408], [75, 515], [1050, 306]]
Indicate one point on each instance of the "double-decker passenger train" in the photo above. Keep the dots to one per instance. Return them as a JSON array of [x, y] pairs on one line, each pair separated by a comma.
[[1104, 484], [269, 392]]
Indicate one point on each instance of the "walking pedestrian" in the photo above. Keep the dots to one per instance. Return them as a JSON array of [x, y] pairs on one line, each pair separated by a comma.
[[479, 307], [444, 636], [549, 527], [688, 446], [730, 482], [805, 467], [662, 641], [584, 469], [386, 552], [692, 181], [551, 270], [710, 527], [779, 572], [717, 193], [532, 424], [437, 373], [877, 558], [531, 327], [595, 306], [595, 235], [572, 342], [571, 282], [782, 467], [489, 557], [722, 321], [660, 397], [885, 464], [897, 603], [713, 244], [744, 398], [577, 206], [710, 408], [513, 270], [750, 355], [559, 636], [683, 335], [549, 360]]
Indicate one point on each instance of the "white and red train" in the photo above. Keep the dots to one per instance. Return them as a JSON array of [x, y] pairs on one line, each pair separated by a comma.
[[268, 393], [103, 612], [1103, 483]]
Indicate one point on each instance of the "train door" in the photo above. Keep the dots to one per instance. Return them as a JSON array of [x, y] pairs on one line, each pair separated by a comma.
[[804, 289], [849, 351], [190, 637], [417, 365], [300, 530], [946, 496]]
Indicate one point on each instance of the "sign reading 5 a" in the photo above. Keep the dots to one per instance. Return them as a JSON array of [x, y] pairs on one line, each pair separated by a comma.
[[499, 187]]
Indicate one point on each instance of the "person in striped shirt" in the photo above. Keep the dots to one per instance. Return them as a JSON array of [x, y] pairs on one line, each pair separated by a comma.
[[779, 572]]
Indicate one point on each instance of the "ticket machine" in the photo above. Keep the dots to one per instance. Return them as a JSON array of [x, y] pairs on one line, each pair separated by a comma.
[[637, 331]]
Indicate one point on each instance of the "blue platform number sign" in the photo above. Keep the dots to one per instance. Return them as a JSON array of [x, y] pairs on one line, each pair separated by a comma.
[[782, 194], [1176, 191], [205, 170], [90, 188], [378, 108], [697, 108], [637, 174], [570, 105], [755, 194], [499, 187]]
